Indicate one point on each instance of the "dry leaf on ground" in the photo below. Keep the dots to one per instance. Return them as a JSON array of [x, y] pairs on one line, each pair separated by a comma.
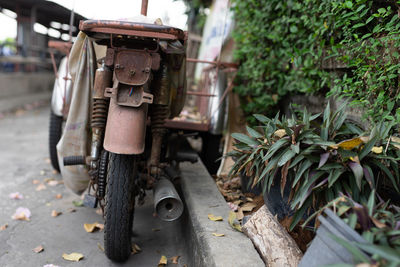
[[214, 218], [38, 249], [16, 195], [40, 187], [174, 259], [52, 183], [3, 227], [249, 206], [42, 172], [233, 222], [239, 214], [155, 229], [35, 182], [136, 249], [71, 210], [73, 256], [22, 214], [91, 227], [100, 247], [163, 261], [58, 196], [55, 213], [217, 234], [47, 180]]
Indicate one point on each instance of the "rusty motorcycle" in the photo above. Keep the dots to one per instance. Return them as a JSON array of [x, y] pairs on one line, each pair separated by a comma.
[[134, 93]]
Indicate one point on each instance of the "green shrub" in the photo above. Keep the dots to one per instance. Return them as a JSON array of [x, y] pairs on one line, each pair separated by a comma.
[[282, 45], [320, 161]]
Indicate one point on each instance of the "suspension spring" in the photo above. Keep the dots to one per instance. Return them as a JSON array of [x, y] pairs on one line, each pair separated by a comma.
[[158, 117], [99, 114]]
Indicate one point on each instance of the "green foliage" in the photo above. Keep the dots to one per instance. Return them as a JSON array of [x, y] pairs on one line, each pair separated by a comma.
[[283, 47], [378, 223], [320, 161]]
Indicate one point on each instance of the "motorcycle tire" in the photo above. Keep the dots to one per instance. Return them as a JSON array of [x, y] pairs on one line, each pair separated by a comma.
[[119, 206], [55, 131]]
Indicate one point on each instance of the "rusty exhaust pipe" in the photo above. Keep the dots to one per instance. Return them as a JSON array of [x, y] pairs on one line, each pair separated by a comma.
[[167, 203]]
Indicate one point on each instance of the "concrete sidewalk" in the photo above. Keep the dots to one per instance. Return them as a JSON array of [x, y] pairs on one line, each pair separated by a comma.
[[12, 103]]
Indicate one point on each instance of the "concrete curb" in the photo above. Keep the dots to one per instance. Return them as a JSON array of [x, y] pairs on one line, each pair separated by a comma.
[[202, 197]]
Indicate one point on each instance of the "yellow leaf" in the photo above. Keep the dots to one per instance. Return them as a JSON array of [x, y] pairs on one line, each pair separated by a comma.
[[231, 219], [280, 133], [73, 256], [163, 261], [377, 150], [136, 249], [100, 246], [348, 144], [218, 235], [38, 249], [55, 213], [214, 218], [90, 227], [174, 259]]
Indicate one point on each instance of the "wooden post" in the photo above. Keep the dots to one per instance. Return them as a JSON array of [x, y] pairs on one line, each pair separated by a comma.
[[275, 245]]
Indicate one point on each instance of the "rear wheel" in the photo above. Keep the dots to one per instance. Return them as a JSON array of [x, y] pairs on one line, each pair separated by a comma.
[[55, 131], [119, 207]]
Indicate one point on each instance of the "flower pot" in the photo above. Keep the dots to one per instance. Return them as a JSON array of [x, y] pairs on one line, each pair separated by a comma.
[[324, 249], [276, 203]]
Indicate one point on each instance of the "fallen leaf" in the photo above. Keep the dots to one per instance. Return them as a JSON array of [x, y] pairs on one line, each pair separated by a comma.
[[55, 213], [59, 196], [214, 218], [377, 150], [100, 226], [50, 265], [77, 203], [99, 211], [40, 187], [16, 195], [22, 214], [53, 183], [47, 180], [175, 259], [233, 222], [249, 206], [48, 204], [100, 246], [71, 210], [38, 249], [42, 172], [90, 227], [136, 249], [378, 223], [3, 227], [233, 206], [155, 229], [163, 261], [239, 214], [249, 199], [35, 181], [218, 235], [72, 257]]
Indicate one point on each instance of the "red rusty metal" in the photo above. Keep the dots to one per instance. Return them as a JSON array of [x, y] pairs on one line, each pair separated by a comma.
[[126, 129], [144, 7], [63, 47], [187, 125], [132, 28], [132, 67]]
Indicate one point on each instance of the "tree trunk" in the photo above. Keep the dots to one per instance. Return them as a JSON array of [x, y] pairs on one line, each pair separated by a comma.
[[275, 245]]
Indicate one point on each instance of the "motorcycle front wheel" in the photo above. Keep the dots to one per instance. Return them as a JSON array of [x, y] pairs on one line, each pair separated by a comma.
[[119, 206]]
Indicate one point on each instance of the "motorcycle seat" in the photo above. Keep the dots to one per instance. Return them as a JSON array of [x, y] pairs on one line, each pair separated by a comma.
[[119, 27]]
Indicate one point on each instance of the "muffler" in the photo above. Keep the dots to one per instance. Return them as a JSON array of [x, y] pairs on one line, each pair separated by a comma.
[[167, 203]]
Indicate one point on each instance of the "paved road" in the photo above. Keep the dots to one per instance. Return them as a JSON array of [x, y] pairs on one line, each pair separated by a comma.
[[23, 159]]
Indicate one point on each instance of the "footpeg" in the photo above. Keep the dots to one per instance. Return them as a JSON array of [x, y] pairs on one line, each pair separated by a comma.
[[90, 201], [74, 160]]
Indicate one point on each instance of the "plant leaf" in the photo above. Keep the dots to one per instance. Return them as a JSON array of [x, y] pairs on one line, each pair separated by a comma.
[[323, 159], [253, 133], [358, 172], [289, 154], [245, 139]]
